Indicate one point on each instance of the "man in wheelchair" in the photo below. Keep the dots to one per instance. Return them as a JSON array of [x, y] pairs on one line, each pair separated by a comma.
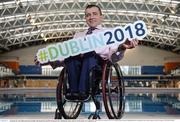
[[78, 67]]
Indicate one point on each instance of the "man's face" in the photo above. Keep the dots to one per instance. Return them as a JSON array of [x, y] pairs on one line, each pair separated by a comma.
[[93, 17]]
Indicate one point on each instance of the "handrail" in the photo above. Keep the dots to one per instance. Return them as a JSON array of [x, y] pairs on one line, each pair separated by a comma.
[[45, 90]]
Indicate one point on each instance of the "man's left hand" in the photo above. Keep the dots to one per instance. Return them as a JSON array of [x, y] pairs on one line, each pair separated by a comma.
[[129, 44]]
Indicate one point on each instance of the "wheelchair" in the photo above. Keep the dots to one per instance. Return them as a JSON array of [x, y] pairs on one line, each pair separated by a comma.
[[109, 84]]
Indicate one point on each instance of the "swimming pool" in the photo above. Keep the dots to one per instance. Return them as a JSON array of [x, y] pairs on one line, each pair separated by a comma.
[[46, 102]]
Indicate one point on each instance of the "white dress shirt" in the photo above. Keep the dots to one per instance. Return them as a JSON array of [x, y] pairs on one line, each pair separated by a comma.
[[108, 52]]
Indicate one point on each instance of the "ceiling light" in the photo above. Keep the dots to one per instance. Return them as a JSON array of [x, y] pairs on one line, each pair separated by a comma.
[[42, 35], [28, 16], [173, 11], [164, 17], [45, 39]]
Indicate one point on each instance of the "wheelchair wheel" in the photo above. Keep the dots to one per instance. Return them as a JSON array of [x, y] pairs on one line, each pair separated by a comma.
[[113, 91], [68, 109]]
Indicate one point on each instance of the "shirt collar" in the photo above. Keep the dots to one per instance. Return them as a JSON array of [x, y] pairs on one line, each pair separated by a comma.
[[99, 27]]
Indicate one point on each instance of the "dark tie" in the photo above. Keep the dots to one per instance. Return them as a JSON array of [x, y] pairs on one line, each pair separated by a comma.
[[90, 30]]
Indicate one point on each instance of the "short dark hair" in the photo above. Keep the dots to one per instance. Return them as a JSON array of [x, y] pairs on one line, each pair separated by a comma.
[[92, 5]]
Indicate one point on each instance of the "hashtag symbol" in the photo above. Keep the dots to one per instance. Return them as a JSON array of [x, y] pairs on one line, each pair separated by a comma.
[[43, 56]]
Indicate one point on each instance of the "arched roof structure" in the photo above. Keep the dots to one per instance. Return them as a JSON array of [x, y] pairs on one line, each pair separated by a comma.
[[25, 23]]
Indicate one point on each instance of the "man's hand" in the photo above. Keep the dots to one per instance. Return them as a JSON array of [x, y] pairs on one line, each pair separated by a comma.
[[128, 45]]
